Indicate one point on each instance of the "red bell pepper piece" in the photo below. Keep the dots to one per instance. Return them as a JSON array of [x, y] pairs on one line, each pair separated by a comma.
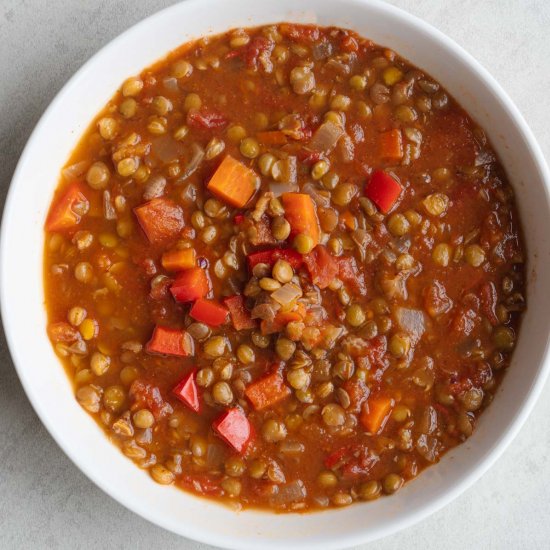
[[234, 428], [209, 312], [190, 285], [240, 316], [322, 266], [65, 212], [267, 391], [271, 256], [383, 190], [170, 341], [187, 391], [161, 219]]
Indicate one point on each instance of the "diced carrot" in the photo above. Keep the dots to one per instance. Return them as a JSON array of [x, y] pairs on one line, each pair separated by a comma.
[[271, 256], [301, 214], [383, 190], [170, 341], [178, 260], [322, 266], [349, 220], [391, 144], [190, 285], [267, 391], [234, 428], [67, 211], [233, 182], [209, 312], [161, 219], [187, 391], [376, 413], [240, 316], [280, 321], [275, 137]]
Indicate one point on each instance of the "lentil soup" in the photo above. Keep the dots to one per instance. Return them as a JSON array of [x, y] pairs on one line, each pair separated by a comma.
[[284, 269]]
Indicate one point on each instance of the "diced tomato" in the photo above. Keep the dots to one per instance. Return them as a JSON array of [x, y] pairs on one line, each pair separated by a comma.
[[234, 428], [148, 396], [358, 393], [161, 219], [351, 274], [238, 219], [258, 47], [63, 332], [190, 285], [188, 392], [177, 260], [209, 312], [322, 266], [348, 43], [353, 460], [240, 316], [206, 118], [308, 157], [272, 137], [204, 484], [383, 190], [67, 210], [271, 256], [300, 33], [267, 391], [376, 413], [170, 341], [301, 214]]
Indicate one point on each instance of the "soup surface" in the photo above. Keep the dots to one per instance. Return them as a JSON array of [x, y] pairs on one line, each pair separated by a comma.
[[283, 269]]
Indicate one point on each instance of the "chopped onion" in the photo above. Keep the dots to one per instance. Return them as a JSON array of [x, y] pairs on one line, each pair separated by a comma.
[[395, 287], [291, 447], [326, 137], [428, 447], [75, 170], [194, 163], [321, 50], [279, 188], [166, 149], [287, 294], [412, 321], [347, 149], [215, 456], [318, 198], [154, 187], [171, 83], [109, 212], [294, 491], [265, 312]]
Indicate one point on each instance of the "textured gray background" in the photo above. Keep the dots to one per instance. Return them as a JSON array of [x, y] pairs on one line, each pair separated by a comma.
[[45, 501]]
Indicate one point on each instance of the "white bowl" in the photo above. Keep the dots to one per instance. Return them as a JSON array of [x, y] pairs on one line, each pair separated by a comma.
[[22, 292]]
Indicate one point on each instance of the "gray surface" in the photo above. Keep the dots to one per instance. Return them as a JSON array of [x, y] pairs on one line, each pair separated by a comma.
[[45, 501]]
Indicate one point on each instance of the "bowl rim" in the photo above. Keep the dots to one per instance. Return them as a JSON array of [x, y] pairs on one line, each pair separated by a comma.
[[475, 471]]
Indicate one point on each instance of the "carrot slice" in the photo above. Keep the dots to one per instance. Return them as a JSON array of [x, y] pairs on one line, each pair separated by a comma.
[[301, 214], [67, 210], [178, 260], [391, 144], [267, 391], [161, 219], [275, 137], [349, 220], [233, 182], [376, 413]]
